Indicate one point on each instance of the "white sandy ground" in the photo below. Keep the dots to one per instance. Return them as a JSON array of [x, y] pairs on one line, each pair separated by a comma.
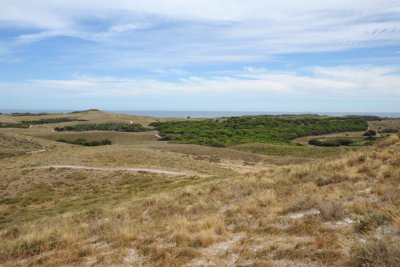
[[77, 167], [36, 151]]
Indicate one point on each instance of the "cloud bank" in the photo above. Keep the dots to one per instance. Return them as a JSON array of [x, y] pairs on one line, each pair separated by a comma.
[[320, 82], [190, 32]]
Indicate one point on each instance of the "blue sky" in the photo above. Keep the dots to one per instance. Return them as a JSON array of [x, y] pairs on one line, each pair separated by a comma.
[[254, 55]]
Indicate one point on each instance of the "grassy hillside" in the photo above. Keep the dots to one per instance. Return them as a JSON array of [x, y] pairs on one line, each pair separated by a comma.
[[308, 152], [254, 129], [340, 212], [14, 144], [28, 123], [92, 116]]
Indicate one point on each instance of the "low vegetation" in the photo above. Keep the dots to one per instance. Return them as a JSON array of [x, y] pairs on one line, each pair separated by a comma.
[[13, 145], [85, 142], [302, 152], [51, 120], [332, 142], [28, 123], [370, 133], [21, 114], [254, 129], [330, 213], [389, 131], [13, 125], [110, 126], [84, 111]]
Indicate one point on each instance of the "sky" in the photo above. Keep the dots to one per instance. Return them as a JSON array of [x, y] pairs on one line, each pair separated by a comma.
[[215, 55]]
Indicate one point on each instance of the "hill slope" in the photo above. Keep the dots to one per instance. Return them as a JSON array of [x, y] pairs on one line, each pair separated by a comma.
[[340, 212], [14, 144]]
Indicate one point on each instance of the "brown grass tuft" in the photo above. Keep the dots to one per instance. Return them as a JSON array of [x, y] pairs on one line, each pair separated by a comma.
[[200, 233], [376, 252]]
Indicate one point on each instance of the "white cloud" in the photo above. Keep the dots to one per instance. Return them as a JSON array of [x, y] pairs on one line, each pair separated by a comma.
[[359, 82], [128, 27], [162, 38], [171, 71], [207, 31], [29, 38], [225, 10]]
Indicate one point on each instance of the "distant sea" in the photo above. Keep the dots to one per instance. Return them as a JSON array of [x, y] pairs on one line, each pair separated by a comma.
[[212, 114]]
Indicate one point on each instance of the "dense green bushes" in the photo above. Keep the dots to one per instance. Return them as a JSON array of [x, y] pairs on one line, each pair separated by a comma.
[[331, 142], [50, 120], [110, 126], [84, 142], [366, 117], [370, 133], [254, 129]]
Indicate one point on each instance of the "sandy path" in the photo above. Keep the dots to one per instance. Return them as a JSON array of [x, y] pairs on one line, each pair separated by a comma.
[[77, 167], [36, 151]]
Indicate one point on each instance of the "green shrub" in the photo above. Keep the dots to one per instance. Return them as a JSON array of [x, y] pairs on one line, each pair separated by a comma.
[[346, 141], [370, 133], [331, 142], [85, 142], [371, 221], [50, 120], [110, 126]]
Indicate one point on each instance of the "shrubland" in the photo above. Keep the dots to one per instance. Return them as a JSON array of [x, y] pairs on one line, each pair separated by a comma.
[[109, 126], [254, 129], [85, 142]]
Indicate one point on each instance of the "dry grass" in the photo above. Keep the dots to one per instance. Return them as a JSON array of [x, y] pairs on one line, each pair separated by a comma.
[[341, 212], [93, 116], [385, 124], [294, 152], [383, 251]]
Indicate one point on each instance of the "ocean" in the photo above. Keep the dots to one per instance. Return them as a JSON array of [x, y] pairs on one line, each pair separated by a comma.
[[213, 114]]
